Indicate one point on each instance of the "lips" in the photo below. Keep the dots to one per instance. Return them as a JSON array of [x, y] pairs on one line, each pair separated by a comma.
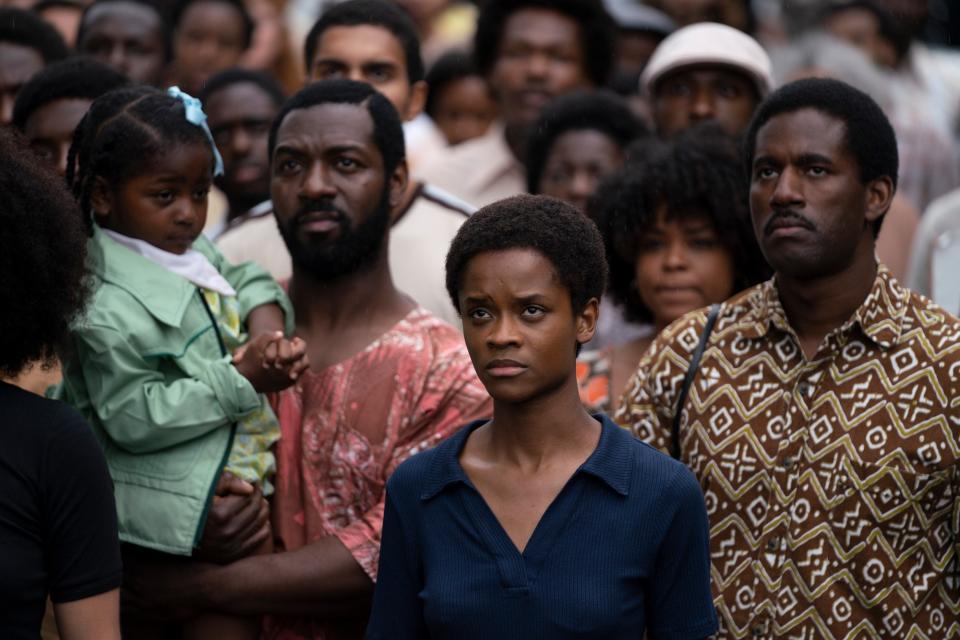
[[787, 223], [503, 368], [319, 221]]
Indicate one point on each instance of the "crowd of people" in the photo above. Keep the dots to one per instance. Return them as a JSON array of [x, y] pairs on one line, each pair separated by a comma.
[[342, 319]]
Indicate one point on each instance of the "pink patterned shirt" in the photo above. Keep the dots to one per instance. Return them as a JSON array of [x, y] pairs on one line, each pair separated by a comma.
[[344, 431]]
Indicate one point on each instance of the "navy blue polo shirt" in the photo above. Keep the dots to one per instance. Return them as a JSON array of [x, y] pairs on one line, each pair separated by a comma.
[[622, 550]]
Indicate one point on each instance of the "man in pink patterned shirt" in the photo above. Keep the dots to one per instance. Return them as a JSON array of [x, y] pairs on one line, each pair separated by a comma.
[[387, 379]]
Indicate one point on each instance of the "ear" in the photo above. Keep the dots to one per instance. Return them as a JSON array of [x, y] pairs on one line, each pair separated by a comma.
[[417, 101], [101, 198], [587, 321], [398, 184], [880, 193]]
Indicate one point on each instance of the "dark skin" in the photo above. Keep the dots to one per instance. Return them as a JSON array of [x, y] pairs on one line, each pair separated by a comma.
[[521, 330], [325, 151], [17, 64], [813, 217], [129, 38]]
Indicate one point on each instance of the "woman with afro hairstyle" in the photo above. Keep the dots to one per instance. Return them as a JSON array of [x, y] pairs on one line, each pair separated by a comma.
[[677, 229], [544, 522], [58, 526]]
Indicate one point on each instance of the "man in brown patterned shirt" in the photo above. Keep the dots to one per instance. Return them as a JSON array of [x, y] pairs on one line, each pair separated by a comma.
[[824, 419]]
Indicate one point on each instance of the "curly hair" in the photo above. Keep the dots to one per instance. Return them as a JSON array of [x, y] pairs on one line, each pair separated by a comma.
[[698, 173], [27, 29], [42, 258], [70, 78], [118, 136], [180, 8], [597, 32], [376, 13], [869, 134], [580, 111], [163, 22], [568, 239], [387, 127]]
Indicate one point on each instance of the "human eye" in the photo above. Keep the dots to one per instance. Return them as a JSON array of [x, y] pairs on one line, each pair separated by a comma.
[[328, 72], [703, 242], [764, 172], [201, 193], [287, 166], [164, 196], [533, 311], [379, 73], [650, 244], [728, 90], [346, 163], [816, 172], [479, 314], [677, 88]]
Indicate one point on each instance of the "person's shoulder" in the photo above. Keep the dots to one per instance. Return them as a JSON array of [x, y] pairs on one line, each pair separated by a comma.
[[43, 418], [438, 334], [413, 476], [657, 474], [440, 202]]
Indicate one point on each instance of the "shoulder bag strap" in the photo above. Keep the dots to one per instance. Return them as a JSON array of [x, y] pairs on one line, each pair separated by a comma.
[[688, 379]]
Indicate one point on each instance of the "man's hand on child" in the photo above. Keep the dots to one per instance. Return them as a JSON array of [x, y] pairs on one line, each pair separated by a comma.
[[237, 523], [271, 362]]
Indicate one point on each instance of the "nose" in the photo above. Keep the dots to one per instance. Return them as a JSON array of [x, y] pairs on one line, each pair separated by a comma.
[[317, 183], [787, 192], [117, 58], [538, 65], [675, 258], [240, 141], [504, 332], [580, 189], [703, 105]]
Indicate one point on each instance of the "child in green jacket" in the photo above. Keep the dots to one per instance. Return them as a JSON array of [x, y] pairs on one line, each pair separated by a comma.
[[161, 364]]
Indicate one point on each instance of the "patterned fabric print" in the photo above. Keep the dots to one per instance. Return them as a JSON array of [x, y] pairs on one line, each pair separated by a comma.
[[345, 430], [251, 457], [831, 484], [593, 379]]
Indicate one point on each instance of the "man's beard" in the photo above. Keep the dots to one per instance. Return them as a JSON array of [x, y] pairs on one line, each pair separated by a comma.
[[355, 249]]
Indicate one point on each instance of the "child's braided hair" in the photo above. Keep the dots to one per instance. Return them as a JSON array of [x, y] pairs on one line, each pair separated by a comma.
[[120, 135]]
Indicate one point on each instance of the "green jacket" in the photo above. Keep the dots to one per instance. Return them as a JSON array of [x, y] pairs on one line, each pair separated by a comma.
[[146, 370]]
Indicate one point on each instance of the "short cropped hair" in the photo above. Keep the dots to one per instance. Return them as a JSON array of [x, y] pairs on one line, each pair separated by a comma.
[[449, 68], [159, 10], [697, 173], [229, 77], [43, 253], [70, 78], [869, 134], [387, 127], [181, 7], [598, 32], [27, 29], [375, 13], [599, 111], [555, 229]]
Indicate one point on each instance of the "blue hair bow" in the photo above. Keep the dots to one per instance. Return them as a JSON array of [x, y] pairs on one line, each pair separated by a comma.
[[195, 115]]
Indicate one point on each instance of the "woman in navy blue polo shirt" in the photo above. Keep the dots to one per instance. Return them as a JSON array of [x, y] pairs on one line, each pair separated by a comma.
[[543, 522]]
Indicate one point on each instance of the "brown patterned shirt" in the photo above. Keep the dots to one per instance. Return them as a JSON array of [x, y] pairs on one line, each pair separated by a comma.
[[832, 483]]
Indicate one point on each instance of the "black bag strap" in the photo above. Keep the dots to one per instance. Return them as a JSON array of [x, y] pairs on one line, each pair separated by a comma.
[[688, 379]]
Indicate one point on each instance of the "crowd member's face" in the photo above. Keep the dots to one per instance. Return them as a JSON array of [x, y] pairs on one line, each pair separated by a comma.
[[539, 58], [65, 20], [370, 54], [49, 129], [330, 196], [519, 325], [861, 28], [811, 213], [576, 163], [681, 266], [166, 204], [128, 37], [209, 38], [239, 116], [695, 94], [17, 65], [464, 109]]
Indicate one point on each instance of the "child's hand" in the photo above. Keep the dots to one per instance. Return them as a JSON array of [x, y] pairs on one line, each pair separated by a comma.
[[288, 355], [251, 362]]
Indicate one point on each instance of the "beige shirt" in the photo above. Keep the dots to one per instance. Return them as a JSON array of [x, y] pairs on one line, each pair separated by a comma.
[[419, 241], [479, 171]]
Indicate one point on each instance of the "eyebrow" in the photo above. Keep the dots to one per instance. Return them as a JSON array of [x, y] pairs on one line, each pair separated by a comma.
[[814, 158]]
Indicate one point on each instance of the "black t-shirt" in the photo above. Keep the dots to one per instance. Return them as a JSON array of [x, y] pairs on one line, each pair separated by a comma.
[[58, 521]]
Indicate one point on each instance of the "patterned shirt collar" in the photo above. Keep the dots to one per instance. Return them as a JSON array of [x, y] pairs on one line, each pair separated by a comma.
[[879, 317]]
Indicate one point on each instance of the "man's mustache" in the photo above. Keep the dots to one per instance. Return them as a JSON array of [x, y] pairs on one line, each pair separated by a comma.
[[320, 206], [790, 217]]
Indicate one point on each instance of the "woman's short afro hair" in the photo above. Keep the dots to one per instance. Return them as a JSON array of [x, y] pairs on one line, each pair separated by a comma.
[[43, 254], [567, 238], [698, 173], [601, 111], [598, 32]]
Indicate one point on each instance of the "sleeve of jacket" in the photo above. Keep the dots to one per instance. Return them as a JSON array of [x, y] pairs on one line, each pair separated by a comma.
[[253, 284], [141, 409]]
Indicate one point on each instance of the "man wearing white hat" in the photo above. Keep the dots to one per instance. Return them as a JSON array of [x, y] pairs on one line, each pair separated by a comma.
[[706, 71]]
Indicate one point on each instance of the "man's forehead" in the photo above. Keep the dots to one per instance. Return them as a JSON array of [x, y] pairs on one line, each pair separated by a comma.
[[707, 70], [360, 43], [326, 125], [238, 100], [806, 130], [121, 14]]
